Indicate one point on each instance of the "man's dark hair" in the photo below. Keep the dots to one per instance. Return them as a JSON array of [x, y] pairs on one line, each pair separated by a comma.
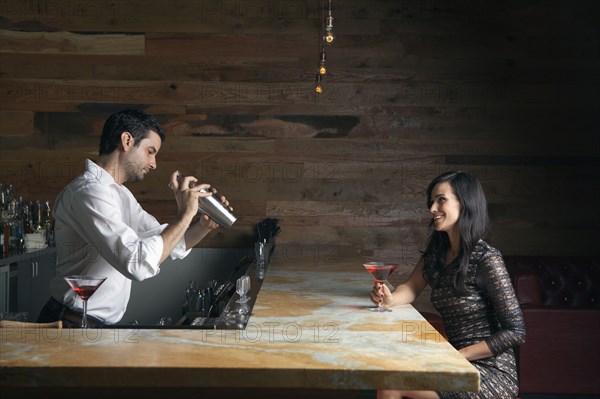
[[138, 123]]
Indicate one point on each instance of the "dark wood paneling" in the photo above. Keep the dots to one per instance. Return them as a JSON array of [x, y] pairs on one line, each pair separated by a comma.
[[506, 90]]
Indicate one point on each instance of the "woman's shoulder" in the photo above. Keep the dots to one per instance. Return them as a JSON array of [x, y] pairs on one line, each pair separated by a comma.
[[488, 261], [483, 250]]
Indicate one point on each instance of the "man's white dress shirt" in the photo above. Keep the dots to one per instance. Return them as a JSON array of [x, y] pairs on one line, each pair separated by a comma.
[[102, 231]]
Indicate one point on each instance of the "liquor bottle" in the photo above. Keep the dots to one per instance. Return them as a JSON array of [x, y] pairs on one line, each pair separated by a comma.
[[50, 241], [1, 238], [6, 237], [12, 227], [27, 217], [20, 247], [38, 216]]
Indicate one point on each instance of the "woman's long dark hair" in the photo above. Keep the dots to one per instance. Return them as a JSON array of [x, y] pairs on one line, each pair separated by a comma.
[[473, 225]]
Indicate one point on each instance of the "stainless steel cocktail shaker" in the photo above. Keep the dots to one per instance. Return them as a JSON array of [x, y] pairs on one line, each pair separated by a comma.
[[213, 208], [217, 211]]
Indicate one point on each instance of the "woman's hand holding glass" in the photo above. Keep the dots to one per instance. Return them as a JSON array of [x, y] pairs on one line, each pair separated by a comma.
[[381, 294]]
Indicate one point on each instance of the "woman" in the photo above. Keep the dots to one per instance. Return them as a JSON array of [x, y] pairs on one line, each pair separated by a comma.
[[471, 288]]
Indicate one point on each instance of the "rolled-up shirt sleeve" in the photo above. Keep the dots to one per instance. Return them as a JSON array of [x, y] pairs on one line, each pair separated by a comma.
[[179, 252], [131, 242]]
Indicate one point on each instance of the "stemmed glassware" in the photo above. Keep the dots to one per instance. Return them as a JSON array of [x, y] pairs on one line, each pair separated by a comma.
[[84, 286], [380, 272], [242, 286]]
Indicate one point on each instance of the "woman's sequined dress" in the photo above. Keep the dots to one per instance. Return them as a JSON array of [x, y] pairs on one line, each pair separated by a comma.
[[489, 312]]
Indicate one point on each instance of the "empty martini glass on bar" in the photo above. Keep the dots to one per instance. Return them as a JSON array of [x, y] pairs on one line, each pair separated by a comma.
[[380, 272], [84, 286]]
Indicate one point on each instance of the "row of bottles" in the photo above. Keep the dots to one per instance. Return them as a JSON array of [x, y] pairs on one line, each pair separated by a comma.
[[19, 218]]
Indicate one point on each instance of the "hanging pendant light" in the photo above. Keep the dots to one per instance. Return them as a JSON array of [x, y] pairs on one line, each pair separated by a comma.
[[318, 87], [325, 36], [322, 68], [329, 35]]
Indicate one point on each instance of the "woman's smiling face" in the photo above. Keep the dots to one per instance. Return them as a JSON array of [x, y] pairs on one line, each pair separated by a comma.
[[445, 208]]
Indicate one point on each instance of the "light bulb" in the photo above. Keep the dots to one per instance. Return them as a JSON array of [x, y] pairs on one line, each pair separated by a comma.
[[329, 37], [318, 87], [322, 68]]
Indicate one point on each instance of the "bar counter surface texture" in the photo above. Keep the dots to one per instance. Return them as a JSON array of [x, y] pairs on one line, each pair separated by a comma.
[[309, 328]]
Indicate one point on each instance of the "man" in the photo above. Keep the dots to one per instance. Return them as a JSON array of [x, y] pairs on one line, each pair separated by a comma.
[[102, 231]]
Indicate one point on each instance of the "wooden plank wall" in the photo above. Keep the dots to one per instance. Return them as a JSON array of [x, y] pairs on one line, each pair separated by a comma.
[[507, 90]]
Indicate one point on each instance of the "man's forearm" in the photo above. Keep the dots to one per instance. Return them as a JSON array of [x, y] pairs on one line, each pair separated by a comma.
[[173, 234], [195, 234]]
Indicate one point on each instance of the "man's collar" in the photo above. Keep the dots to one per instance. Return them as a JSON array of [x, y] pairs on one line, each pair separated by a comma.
[[99, 173]]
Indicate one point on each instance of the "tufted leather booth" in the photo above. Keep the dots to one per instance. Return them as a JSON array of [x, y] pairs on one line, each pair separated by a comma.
[[560, 297]]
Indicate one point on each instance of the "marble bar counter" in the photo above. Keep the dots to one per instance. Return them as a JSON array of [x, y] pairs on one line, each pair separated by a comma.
[[310, 327]]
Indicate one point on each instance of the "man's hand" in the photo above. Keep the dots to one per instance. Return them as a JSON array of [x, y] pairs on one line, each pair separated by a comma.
[[187, 192]]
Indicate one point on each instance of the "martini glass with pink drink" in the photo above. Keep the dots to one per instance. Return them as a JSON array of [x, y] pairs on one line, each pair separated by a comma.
[[380, 272], [84, 286]]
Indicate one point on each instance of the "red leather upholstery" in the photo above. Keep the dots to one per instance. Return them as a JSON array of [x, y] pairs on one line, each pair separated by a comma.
[[562, 281], [561, 306]]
